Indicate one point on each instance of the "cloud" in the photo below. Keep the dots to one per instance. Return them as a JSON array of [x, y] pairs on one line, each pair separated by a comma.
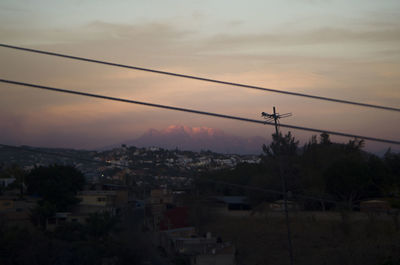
[[235, 23], [139, 34], [274, 59], [320, 36], [12, 9], [148, 31]]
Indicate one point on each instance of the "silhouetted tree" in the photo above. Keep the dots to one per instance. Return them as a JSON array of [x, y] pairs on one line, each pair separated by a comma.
[[325, 139], [348, 177], [100, 225], [392, 163], [14, 171], [282, 150], [58, 185], [281, 145]]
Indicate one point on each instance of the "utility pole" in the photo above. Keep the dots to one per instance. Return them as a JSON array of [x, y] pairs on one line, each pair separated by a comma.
[[275, 117]]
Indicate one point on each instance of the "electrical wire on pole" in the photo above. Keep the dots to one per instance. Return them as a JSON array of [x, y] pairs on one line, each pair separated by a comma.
[[275, 117]]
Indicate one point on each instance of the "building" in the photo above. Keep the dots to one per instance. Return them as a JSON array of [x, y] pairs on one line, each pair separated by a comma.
[[184, 242], [174, 218], [222, 254], [97, 201], [231, 203], [15, 210], [279, 205], [159, 201], [58, 219], [92, 201], [375, 206], [163, 196], [5, 182]]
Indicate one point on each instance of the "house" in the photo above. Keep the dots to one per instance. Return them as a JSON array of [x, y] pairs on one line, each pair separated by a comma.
[[16, 210], [232, 203], [159, 201], [63, 217], [375, 206], [139, 204], [184, 241], [198, 250], [161, 196], [154, 214], [97, 201], [6, 204], [122, 192], [58, 219], [92, 201], [222, 254], [174, 218], [279, 205], [165, 237], [5, 182]]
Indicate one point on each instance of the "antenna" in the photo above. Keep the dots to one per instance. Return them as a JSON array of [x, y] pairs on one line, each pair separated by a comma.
[[275, 117]]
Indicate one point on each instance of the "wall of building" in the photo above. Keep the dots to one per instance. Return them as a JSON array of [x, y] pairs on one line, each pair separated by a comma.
[[213, 259]]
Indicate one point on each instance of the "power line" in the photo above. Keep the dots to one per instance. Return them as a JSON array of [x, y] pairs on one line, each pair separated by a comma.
[[198, 112], [202, 78], [34, 150]]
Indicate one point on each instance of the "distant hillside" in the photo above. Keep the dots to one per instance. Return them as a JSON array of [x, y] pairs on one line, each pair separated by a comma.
[[197, 139]]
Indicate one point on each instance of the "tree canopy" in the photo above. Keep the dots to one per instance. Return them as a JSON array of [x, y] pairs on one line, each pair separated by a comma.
[[56, 185], [322, 168]]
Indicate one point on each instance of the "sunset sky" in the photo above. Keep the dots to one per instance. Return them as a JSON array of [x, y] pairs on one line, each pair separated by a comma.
[[341, 49]]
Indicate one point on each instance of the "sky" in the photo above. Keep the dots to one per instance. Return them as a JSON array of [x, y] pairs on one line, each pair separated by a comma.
[[342, 49]]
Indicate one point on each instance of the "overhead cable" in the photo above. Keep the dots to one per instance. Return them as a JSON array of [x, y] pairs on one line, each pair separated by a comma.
[[197, 111], [361, 104]]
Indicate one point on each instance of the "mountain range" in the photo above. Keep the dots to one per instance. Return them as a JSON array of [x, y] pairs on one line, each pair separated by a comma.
[[197, 139]]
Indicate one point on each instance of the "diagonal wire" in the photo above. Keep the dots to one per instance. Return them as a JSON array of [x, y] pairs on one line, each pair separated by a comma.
[[198, 112], [361, 104]]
